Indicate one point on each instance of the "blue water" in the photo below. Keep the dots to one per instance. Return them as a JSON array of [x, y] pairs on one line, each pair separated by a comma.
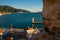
[[20, 20]]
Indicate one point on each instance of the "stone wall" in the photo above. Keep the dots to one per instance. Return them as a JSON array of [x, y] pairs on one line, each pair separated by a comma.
[[51, 14]]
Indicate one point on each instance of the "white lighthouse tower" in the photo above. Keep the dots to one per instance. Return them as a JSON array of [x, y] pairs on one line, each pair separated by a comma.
[[32, 22]]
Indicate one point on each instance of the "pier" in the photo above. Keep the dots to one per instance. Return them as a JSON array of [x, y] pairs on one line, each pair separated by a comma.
[[34, 22]]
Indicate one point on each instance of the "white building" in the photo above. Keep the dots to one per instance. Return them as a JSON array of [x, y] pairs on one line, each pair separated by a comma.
[[36, 31], [30, 31]]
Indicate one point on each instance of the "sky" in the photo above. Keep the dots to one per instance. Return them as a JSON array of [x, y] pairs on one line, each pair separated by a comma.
[[30, 5]]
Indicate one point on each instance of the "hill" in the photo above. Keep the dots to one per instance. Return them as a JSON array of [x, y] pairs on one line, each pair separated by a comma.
[[9, 9]]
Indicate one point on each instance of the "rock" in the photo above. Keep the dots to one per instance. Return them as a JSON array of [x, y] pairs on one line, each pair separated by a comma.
[[51, 21], [41, 36], [51, 15]]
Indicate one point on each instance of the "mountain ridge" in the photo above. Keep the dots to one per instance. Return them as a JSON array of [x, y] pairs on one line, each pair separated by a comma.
[[9, 9]]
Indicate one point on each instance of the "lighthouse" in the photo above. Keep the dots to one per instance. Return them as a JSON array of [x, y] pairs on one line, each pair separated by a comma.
[[32, 22]]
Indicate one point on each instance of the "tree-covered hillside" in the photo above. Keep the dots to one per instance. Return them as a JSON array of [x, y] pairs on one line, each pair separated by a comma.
[[9, 9]]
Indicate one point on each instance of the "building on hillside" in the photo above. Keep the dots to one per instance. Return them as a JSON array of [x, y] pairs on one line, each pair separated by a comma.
[[29, 32]]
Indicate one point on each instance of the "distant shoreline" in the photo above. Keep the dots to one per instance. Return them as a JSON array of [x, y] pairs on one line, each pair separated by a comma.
[[9, 9]]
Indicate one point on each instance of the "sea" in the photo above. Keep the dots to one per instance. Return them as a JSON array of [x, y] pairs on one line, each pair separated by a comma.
[[21, 20]]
